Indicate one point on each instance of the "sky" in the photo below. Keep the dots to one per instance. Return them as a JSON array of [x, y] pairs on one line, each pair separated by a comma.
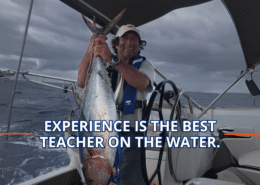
[[197, 47]]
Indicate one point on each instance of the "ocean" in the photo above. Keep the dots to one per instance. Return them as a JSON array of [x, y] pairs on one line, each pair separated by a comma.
[[23, 157]]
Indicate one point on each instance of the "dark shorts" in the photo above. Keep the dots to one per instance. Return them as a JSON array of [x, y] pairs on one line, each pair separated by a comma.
[[130, 167]]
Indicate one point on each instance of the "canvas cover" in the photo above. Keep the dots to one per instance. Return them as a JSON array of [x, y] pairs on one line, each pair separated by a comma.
[[246, 17], [138, 12], [245, 14]]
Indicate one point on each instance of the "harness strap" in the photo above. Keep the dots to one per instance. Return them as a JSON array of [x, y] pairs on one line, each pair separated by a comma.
[[138, 104], [129, 104], [129, 91], [117, 165]]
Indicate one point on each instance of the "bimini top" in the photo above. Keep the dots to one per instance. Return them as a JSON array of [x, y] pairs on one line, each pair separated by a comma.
[[138, 12], [245, 15]]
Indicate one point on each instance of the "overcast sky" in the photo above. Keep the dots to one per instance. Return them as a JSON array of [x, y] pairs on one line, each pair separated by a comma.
[[196, 47]]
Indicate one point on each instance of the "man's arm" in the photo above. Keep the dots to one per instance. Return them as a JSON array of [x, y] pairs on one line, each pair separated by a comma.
[[84, 65], [133, 77]]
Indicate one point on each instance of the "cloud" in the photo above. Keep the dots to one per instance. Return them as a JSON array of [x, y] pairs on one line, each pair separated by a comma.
[[198, 44]]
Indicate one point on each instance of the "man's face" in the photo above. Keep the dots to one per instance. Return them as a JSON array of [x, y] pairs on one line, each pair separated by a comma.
[[128, 46]]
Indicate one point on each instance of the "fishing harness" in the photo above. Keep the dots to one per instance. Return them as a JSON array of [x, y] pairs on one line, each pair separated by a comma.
[[129, 91]]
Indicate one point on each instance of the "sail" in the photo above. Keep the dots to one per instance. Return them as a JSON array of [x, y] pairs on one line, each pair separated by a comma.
[[138, 12], [246, 17]]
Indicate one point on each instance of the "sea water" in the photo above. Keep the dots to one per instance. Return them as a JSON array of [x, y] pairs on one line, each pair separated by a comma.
[[23, 158]]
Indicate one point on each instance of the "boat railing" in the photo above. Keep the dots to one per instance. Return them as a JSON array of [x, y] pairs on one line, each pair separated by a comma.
[[220, 95], [190, 100], [64, 80]]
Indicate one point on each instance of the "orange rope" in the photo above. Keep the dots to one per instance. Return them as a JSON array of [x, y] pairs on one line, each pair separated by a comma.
[[244, 134], [16, 133]]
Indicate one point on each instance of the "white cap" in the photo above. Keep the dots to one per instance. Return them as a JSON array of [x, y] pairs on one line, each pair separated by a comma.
[[125, 28]]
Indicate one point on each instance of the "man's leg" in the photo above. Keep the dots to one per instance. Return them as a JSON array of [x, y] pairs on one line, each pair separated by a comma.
[[130, 167]]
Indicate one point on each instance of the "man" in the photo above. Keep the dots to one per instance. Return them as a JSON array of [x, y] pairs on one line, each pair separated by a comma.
[[137, 75]]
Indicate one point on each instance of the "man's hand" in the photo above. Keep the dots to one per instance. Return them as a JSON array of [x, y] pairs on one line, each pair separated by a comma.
[[101, 48]]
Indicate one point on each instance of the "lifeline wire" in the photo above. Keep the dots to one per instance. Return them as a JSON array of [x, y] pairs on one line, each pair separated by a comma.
[[18, 70], [16, 77]]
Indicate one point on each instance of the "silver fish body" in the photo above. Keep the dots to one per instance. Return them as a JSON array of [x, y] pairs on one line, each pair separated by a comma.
[[99, 104]]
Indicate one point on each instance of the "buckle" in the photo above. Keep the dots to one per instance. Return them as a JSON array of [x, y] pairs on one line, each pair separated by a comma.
[[138, 104]]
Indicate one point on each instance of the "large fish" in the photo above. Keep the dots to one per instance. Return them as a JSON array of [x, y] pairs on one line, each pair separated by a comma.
[[99, 104]]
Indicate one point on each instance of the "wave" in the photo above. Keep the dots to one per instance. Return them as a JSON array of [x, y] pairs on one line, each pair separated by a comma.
[[28, 101], [19, 143], [3, 104]]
